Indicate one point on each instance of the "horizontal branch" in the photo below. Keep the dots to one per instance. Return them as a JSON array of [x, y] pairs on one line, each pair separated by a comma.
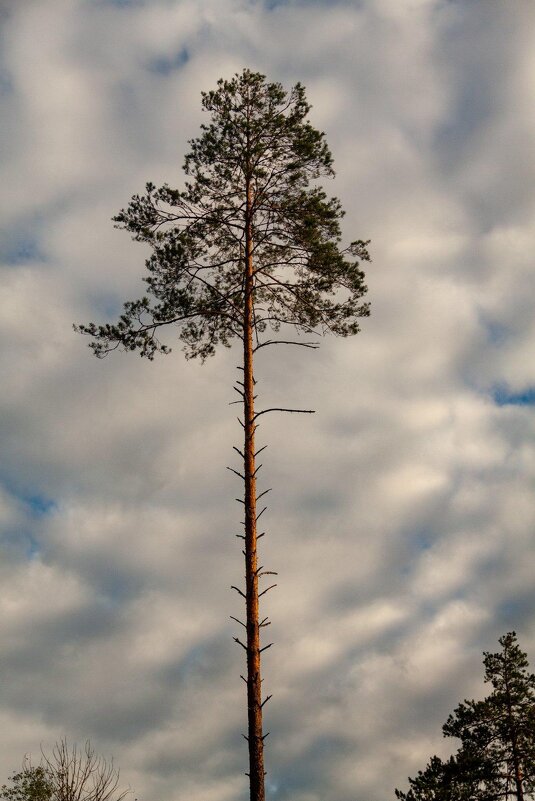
[[232, 587], [237, 639], [279, 409], [311, 345], [238, 621]]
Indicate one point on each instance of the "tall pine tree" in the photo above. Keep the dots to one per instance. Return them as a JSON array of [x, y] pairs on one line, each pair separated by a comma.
[[248, 248]]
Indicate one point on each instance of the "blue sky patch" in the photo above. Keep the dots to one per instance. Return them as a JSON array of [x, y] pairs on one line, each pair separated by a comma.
[[40, 505], [503, 396], [21, 543], [19, 247], [497, 333], [107, 305], [163, 65], [33, 548], [6, 82]]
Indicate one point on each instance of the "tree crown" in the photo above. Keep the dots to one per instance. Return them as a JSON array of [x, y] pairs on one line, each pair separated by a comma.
[[252, 171]]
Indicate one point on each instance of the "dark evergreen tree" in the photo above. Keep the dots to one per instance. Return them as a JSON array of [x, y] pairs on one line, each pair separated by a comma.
[[249, 247], [496, 759]]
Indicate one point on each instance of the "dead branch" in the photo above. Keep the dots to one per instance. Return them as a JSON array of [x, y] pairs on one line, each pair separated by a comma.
[[311, 345], [280, 409], [236, 472]]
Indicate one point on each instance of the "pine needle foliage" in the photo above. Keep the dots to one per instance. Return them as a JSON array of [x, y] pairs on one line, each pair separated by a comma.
[[256, 162]]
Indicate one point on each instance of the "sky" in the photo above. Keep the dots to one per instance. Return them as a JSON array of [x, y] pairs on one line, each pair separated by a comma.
[[402, 514]]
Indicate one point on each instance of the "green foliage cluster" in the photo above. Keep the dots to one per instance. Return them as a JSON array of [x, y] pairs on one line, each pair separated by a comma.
[[253, 168], [30, 784], [496, 759]]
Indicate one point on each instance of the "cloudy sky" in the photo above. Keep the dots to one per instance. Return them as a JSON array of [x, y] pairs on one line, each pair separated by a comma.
[[402, 516]]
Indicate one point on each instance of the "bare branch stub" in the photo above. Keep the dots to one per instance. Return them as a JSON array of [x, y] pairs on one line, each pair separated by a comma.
[[266, 590]]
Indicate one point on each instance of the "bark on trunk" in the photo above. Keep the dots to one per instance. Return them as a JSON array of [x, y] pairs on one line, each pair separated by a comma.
[[514, 744], [254, 682]]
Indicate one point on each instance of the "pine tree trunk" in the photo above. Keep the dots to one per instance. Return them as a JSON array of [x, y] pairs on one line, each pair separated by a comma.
[[254, 683], [514, 742]]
